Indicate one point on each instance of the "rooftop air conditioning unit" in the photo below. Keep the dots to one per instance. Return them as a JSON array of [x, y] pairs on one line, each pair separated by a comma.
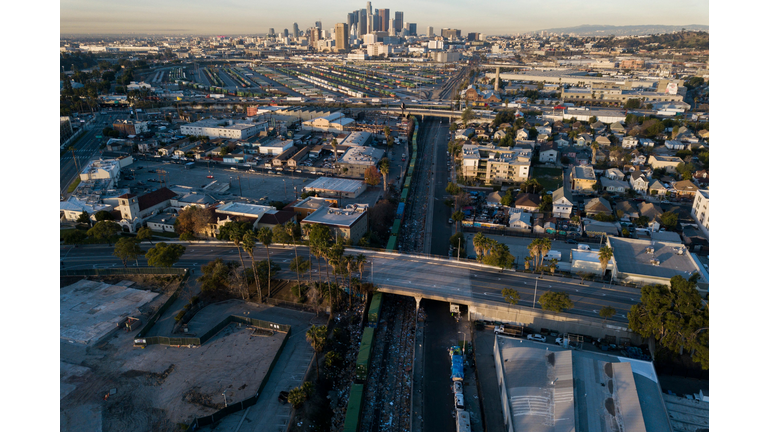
[[650, 250], [655, 262], [681, 251]]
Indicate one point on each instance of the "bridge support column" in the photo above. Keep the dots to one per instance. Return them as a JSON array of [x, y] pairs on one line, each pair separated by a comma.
[[418, 302], [496, 85]]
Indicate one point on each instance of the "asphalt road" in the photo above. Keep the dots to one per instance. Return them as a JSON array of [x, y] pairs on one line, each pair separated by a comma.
[[440, 330], [408, 273], [440, 231]]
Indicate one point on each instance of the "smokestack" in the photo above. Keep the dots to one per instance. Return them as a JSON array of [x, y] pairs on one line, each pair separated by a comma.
[[496, 85]]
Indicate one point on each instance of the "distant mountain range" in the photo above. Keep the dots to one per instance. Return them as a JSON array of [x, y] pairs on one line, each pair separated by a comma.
[[631, 30]]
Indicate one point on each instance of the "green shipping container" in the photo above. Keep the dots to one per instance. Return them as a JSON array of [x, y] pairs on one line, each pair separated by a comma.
[[364, 356], [354, 408]]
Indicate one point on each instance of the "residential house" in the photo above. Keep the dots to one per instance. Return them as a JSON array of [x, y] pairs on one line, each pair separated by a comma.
[[647, 142], [652, 211], [544, 130], [548, 153], [637, 158], [657, 188], [615, 186], [669, 163], [597, 206], [522, 134], [561, 142], [603, 141], [629, 142], [614, 174], [562, 202], [639, 182], [520, 221], [583, 139], [528, 202], [499, 135], [627, 211], [685, 188], [618, 128], [582, 179], [675, 145], [465, 134], [701, 178]]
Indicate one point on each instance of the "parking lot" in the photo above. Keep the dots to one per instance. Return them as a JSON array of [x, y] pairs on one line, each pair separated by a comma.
[[148, 175]]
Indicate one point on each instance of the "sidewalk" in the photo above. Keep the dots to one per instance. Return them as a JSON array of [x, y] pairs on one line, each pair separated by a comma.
[[486, 381]]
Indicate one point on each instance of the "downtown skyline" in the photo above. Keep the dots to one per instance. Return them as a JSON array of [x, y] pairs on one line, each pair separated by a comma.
[[244, 18]]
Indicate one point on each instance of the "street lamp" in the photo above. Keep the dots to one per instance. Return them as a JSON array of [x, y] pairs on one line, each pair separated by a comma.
[[534, 294], [465, 342], [225, 398]]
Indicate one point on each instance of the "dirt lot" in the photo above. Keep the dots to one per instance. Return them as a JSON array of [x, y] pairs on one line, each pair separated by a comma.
[[159, 388]]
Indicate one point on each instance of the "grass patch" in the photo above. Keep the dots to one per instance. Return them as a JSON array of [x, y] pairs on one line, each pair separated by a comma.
[[73, 185], [550, 178]]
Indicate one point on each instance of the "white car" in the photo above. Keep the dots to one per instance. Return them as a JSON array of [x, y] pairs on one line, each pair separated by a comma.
[[537, 337]]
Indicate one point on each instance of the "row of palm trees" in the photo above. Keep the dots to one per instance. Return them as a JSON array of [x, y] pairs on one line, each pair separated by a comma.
[[321, 246]]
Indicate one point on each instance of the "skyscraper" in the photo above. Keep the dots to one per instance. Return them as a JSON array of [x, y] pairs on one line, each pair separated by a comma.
[[319, 25], [295, 30], [342, 37], [285, 33], [376, 20], [362, 22], [350, 20], [368, 8], [430, 31], [406, 29], [384, 15], [271, 32], [412, 29], [369, 20], [398, 21], [392, 27]]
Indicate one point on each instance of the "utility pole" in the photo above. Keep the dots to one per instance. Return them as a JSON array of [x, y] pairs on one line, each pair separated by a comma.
[[534, 293], [241, 186]]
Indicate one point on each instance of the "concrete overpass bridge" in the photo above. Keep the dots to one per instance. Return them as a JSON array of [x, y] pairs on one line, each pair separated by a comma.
[[431, 277]]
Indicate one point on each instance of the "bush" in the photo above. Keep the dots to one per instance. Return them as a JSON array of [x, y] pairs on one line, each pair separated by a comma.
[[180, 315], [187, 236]]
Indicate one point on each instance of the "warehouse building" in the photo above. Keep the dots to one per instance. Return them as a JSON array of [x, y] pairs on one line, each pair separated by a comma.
[[333, 187]]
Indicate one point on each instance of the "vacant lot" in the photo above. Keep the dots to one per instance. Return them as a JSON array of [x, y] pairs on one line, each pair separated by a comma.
[[160, 387], [550, 178]]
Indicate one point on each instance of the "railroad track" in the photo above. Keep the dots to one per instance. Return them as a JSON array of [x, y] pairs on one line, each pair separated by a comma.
[[387, 401], [416, 206]]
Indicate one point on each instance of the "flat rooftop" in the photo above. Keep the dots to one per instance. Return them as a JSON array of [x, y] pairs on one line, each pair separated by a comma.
[[631, 256], [335, 184], [243, 209], [345, 217], [556, 389]]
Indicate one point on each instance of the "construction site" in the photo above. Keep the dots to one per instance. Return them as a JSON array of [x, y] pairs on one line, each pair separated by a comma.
[[108, 384]]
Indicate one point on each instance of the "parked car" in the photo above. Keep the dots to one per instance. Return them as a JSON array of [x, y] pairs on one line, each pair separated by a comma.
[[571, 241], [210, 176], [537, 337]]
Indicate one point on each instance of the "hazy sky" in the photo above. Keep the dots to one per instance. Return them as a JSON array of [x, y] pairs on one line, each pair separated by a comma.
[[238, 17]]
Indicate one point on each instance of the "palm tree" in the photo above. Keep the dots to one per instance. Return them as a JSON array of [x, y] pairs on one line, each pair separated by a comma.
[[265, 237], [545, 245], [317, 336], [534, 249], [480, 242], [553, 265], [605, 256], [594, 146], [335, 144], [384, 168], [457, 217], [249, 245]]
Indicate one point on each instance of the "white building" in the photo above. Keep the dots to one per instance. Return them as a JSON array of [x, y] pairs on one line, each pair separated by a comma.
[[700, 210], [275, 148], [214, 128]]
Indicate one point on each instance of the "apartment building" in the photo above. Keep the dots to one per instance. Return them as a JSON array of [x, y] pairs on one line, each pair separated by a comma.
[[700, 210], [214, 128], [495, 165]]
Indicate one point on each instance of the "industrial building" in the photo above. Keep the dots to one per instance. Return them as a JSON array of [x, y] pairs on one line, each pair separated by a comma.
[[549, 388], [349, 223], [653, 261], [215, 128], [333, 187]]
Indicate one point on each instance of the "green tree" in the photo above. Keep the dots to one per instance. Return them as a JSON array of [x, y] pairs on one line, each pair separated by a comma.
[[675, 316], [555, 301], [103, 215], [165, 255], [265, 237], [632, 104], [510, 295], [299, 265], [84, 218], [508, 199], [215, 275], [104, 230], [144, 233], [499, 256], [127, 249], [372, 176], [453, 189], [607, 312], [297, 396], [457, 217], [669, 220], [280, 234], [235, 232], [73, 237], [605, 255], [317, 336], [467, 115], [453, 127]]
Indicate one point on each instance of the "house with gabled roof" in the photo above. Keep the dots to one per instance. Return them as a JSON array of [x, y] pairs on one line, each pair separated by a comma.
[[656, 188], [597, 206], [638, 181], [528, 202], [628, 210], [562, 199], [685, 187]]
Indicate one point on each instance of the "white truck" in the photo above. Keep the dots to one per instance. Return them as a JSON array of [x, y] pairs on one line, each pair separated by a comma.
[[509, 331], [553, 254], [583, 247]]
